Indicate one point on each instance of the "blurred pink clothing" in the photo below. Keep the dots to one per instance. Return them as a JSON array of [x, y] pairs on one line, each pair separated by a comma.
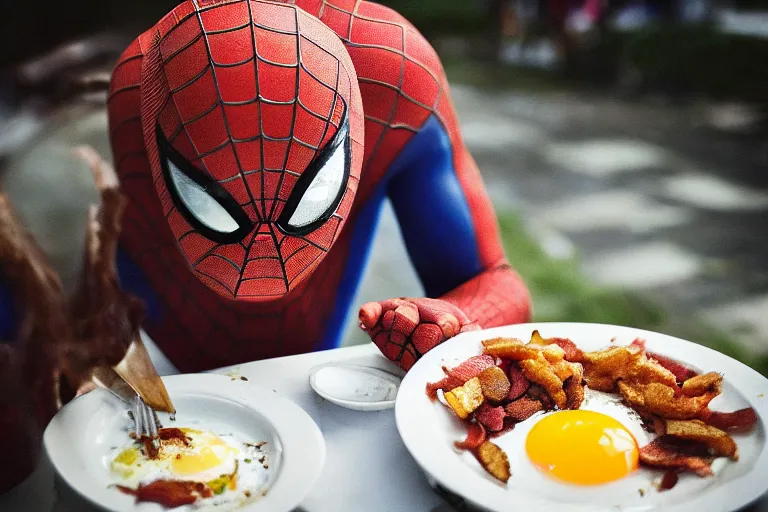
[[592, 9]]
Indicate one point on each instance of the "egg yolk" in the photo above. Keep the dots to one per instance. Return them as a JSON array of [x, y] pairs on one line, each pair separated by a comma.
[[582, 447], [212, 452]]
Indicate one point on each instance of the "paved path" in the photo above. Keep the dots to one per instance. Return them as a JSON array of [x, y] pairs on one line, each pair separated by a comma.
[[649, 200]]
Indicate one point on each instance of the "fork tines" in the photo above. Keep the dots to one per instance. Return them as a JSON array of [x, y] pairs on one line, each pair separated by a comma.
[[145, 419]]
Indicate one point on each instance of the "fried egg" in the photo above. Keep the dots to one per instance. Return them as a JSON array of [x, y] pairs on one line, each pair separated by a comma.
[[560, 443], [562, 454], [595, 444], [234, 470]]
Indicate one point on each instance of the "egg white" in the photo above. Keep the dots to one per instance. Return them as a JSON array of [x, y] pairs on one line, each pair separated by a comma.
[[637, 488], [250, 463]]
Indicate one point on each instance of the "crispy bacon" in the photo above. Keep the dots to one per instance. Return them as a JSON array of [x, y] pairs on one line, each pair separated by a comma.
[[574, 388], [550, 374], [662, 453], [490, 417], [504, 364], [494, 461], [719, 442], [150, 447], [475, 437], [537, 393], [668, 481], [701, 384], [572, 353], [523, 408], [457, 376], [662, 401], [169, 493], [742, 420], [494, 383], [518, 383], [167, 434], [543, 374], [508, 425], [681, 372]]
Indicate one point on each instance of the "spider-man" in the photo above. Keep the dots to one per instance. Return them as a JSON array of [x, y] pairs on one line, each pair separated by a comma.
[[256, 142]]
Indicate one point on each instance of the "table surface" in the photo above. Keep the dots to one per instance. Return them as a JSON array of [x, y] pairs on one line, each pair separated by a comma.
[[366, 458]]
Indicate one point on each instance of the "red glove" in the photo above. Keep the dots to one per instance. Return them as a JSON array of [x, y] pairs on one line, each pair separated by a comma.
[[405, 329]]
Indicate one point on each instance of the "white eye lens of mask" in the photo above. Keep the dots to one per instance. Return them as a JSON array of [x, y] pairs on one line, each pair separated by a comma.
[[200, 204], [323, 190]]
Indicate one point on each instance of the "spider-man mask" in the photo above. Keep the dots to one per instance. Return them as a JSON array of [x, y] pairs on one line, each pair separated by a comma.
[[255, 114]]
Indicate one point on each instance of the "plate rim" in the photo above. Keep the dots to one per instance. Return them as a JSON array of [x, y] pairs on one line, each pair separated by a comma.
[[740, 491], [303, 446]]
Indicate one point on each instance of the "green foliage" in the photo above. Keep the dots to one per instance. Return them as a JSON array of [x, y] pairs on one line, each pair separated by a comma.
[[561, 293], [442, 16], [700, 59], [490, 74]]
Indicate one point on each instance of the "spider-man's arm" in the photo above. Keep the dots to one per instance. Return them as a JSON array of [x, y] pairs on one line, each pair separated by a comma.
[[448, 224], [451, 233]]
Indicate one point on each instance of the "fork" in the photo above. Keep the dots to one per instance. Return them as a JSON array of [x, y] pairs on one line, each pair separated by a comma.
[[145, 420]]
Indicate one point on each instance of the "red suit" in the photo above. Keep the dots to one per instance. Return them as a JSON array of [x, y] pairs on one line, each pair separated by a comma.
[[256, 142]]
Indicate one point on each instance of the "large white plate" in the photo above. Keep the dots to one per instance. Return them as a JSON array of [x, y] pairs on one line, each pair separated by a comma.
[[429, 429], [82, 435]]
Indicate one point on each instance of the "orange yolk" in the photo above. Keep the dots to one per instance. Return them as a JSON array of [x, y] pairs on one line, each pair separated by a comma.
[[582, 447]]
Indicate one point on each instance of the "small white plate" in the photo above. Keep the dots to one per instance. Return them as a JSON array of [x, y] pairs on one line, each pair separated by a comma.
[[361, 388], [429, 429], [80, 439]]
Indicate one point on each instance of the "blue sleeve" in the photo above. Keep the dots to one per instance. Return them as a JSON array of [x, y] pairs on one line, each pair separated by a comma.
[[7, 314], [433, 213]]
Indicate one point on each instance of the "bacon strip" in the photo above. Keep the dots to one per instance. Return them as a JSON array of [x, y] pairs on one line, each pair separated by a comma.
[[475, 437], [456, 377], [508, 426], [492, 418], [574, 388], [668, 481], [166, 434], [681, 372], [660, 454], [518, 383], [572, 353], [169, 493], [742, 420], [523, 408]]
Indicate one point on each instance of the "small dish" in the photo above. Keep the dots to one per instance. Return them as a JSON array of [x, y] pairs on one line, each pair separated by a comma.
[[361, 388], [81, 438]]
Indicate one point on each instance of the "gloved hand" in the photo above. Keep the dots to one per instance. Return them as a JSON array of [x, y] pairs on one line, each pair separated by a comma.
[[405, 329]]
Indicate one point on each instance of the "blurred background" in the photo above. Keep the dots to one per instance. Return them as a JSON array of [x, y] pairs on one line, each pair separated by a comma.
[[624, 143]]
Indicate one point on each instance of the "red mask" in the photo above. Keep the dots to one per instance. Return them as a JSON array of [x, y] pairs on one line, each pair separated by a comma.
[[253, 122]]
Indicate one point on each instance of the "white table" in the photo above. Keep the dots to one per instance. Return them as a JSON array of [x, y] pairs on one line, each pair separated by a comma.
[[367, 467]]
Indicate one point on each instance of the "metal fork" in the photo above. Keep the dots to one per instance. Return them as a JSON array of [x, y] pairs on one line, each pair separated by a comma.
[[145, 420]]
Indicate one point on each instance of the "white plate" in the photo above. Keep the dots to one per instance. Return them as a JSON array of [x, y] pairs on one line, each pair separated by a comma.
[[83, 434], [429, 429]]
